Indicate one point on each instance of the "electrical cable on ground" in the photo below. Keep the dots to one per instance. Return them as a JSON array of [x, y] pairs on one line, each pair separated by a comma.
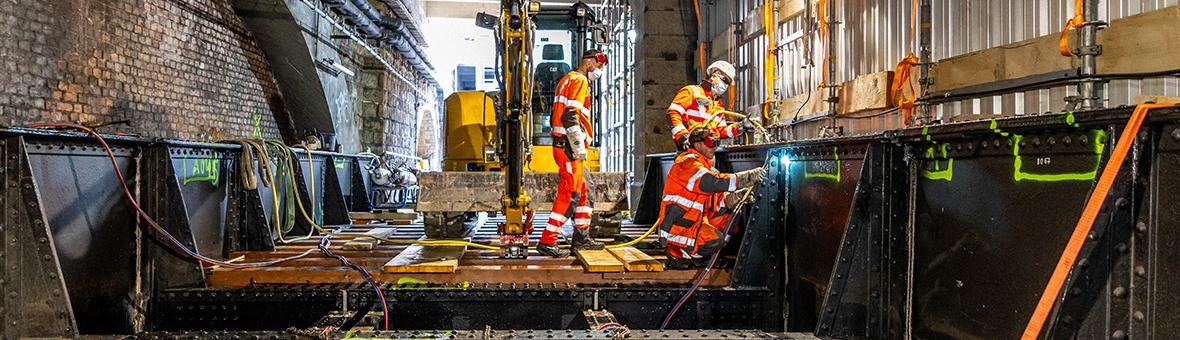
[[323, 247]]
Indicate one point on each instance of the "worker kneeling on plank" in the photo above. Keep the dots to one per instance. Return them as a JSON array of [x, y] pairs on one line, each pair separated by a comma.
[[697, 105], [572, 134], [698, 201]]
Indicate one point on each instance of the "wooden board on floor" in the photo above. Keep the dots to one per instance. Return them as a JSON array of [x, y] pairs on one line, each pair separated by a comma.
[[383, 215], [635, 260], [599, 261], [426, 259]]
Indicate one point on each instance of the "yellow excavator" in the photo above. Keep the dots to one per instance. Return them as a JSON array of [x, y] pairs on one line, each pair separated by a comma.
[[500, 140]]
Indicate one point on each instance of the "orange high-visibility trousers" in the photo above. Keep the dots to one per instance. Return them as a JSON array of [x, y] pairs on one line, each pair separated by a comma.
[[572, 188]]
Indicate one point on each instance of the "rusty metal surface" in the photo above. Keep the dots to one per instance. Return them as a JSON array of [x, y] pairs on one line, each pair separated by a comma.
[[481, 191]]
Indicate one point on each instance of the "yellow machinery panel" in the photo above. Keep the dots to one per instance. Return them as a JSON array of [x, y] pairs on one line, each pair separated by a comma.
[[470, 129], [542, 160], [470, 132]]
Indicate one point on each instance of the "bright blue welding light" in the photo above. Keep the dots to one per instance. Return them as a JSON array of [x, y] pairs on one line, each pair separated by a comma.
[[785, 160]]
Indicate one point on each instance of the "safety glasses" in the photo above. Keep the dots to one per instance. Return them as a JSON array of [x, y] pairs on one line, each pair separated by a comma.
[[600, 58], [711, 142], [724, 79]]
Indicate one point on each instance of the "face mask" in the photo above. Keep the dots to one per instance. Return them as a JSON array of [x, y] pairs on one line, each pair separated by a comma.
[[594, 75], [719, 88]]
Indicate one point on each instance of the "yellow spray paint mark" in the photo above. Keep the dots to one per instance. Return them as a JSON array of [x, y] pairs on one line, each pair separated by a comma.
[[938, 173], [835, 177], [409, 283], [1070, 120], [257, 124], [340, 163], [201, 170], [1019, 174]]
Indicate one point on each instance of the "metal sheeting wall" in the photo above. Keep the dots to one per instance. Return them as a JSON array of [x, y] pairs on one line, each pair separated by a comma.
[[980, 24], [873, 35], [616, 99]]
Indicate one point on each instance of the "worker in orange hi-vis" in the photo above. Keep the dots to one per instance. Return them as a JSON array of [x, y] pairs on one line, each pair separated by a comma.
[[698, 201], [697, 105], [572, 134]]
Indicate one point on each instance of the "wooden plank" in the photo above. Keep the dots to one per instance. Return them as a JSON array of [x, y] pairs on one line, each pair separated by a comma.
[[1157, 100], [383, 215], [973, 68], [866, 92], [793, 8], [788, 107], [426, 259], [1035, 56], [1142, 43], [635, 260], [599, 261]]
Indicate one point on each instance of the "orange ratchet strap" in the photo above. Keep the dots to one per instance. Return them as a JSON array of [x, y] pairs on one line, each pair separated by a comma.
[[1082, 229], [1076, 22]]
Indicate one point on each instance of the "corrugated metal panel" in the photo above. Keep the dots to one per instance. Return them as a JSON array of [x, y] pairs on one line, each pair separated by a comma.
[[960, 27], [875, 35], [615, 102]]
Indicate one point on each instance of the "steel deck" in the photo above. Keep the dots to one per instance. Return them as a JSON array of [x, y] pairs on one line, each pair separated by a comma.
[[476, 266]]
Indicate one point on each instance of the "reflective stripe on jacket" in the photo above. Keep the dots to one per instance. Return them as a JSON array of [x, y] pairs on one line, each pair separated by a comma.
[[573, 91], [694, 107], [693, 195]]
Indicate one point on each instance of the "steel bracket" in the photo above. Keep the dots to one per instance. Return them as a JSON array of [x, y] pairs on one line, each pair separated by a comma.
[[35, 301]]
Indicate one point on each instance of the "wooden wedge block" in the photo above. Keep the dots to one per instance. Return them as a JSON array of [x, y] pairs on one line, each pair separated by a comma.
[[599, 261], [634, 260], [426, 259], [361, 244], [367, 244]]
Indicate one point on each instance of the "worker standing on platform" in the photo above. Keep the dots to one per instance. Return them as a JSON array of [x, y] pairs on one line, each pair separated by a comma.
[[697, 202], [572, 134], [697, 105]]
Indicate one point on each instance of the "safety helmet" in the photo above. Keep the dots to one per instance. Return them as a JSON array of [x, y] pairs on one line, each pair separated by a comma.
[[724, 66]]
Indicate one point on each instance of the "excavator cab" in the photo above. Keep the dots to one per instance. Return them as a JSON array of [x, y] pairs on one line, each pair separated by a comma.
[[562, 34], [502, 139]]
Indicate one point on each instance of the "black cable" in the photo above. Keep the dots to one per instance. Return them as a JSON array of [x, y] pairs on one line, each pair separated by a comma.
[[800, 109], [323, 246]]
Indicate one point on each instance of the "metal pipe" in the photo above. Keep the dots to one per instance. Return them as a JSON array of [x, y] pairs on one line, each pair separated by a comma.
[[1090, 89], [924, 23], [372, 51], [833, 96]]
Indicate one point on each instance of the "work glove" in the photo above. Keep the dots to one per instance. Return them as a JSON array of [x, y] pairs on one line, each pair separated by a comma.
[[577, 139], [732, 198], [750, 178]]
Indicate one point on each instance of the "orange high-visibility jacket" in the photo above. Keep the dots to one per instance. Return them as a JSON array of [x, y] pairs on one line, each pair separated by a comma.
[[692, 107], [694, 195], [573, 91]]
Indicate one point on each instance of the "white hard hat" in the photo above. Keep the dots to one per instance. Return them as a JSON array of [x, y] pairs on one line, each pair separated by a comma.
[[724, 66]]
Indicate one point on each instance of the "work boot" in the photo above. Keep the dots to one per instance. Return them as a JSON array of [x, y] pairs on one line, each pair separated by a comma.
[[675, 263], [552, 250], [582, 240]]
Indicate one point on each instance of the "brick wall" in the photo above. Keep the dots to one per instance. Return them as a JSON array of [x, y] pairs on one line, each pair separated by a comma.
[[390, 109], [176, 68]]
